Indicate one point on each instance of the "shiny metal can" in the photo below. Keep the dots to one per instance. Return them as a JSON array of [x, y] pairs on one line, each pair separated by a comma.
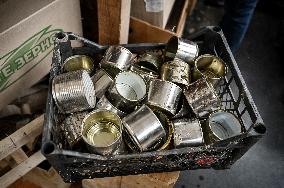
[[127, 90], [73, 91], [202, 98], [102, 132], [164, 95], [178, 48], [102, 82], [210, 67], [72, 128], [143, 128], [221, 125], [187, 133], [150, 61], [116, 59], [78, 62], [104, 103], [176, 71]]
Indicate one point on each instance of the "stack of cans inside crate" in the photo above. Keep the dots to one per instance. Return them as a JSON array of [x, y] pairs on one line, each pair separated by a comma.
[[143, 102]]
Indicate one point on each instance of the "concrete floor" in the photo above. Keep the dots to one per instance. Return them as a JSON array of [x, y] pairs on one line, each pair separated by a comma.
[[261, 66]]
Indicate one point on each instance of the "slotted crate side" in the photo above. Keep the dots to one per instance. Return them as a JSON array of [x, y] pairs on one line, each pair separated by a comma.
[[73, 166]]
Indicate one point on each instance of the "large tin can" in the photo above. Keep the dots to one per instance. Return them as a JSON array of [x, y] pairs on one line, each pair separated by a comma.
[[73, 91]]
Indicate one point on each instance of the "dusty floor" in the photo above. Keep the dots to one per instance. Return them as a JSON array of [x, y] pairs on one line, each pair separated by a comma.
[[260, 63]]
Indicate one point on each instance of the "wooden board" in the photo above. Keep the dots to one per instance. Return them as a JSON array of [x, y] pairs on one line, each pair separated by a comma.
[[113, 21], [143, 32], [21, 137], [20, 170], [161, 180]]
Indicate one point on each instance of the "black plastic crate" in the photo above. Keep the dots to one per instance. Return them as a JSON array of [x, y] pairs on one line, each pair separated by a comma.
[[75, 165]]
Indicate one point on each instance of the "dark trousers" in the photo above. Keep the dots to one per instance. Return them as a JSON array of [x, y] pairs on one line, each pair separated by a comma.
[[236, 19]]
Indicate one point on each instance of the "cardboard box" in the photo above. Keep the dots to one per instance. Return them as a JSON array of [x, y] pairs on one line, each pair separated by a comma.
[[26, 40]]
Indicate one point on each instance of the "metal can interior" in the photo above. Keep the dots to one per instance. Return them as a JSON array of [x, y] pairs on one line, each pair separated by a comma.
[[210, 67], [130, 86], [102, 131], [221, 125], [78, 62]]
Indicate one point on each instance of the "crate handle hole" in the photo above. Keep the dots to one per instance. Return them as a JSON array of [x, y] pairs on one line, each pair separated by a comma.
[[260, 128], [48, 148]]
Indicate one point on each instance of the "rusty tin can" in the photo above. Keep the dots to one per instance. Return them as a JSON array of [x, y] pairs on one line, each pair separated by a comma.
[[164, 95], [176, 71], [202, 98], [187, 133]]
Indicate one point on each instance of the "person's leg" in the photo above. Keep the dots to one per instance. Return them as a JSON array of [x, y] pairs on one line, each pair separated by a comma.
[[236, 19]]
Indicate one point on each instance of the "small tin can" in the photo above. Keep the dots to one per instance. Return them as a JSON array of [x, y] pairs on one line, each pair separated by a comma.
[[101, 81], [178, 48], [221, 125], [202, 98], [150, 61], [78, 62], [143, 128], [102, 132], [72, 128], [127, 90], [176, 71], [210, 67], [73, 91], [144, 72], [187, 133], [104, 103], [164, 95], [116, 59]]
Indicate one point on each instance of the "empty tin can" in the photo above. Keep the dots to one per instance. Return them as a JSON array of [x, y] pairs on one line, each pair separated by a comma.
[[176, 71], [210, 67], [181, 49], [221, 125], [73, 91], [202, 98], [127, 90], [150, 61], [104, 103], [78, 62], [187, 133], [101, 81], [144, 72], [72, 128], [102, 132], [143, 128], [164, 95], [116, 59]]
